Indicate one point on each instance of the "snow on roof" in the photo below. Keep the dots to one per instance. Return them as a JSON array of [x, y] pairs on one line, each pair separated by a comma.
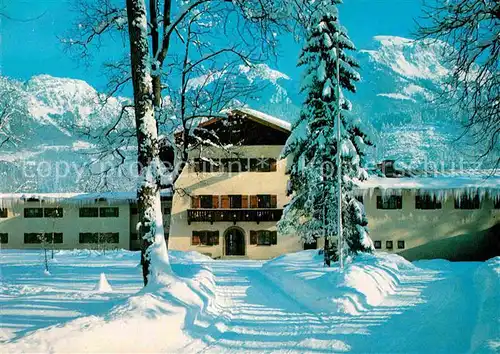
[[263, 117], [442, 184], [8, 199]]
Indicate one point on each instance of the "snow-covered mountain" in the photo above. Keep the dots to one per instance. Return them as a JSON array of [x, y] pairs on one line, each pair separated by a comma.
[[46, 119], [400, 78]]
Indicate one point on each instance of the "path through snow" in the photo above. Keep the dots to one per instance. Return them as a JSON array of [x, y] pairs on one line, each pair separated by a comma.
[[431, 311]]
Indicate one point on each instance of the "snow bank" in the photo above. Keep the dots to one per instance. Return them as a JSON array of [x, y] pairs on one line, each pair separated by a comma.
[[150, 321], [486, 335], [364, 283]]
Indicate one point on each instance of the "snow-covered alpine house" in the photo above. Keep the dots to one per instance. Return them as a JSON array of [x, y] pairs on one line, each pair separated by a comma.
[[228, 200]]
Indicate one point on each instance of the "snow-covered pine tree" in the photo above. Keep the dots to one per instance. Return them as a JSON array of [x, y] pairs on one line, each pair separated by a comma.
[[312, 212]]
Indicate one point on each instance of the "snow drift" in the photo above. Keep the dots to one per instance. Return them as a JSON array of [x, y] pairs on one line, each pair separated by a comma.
[[150, 321], [364, 283]]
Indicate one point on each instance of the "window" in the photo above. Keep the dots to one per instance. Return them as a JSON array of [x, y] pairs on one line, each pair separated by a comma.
[[33, 237], [109, 237], [466, 202], [263, 165], [388, 245], [426, 202], [263, 238], [235, 201], [4, 237], [391, 202], [206, 201], [264, 201], [39, 237], [401, 244], [95, 237], [33, 212], [205, 238], [88, 237], [109, 212], [234, 165], [53, 212], [134, 210], [496, 203], [377, 244], [89, 212], [55, 237], [4, 213], [202, 165]]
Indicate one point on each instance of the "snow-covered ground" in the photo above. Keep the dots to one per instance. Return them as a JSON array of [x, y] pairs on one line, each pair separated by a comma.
[[379, 304]]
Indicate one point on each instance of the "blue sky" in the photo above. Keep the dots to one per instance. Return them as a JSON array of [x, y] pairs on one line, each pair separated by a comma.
[[32, 47]]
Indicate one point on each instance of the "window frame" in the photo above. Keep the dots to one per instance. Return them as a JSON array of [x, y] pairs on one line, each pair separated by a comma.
[[427, 202], [377, 243], [206, 238], [29, 235], [389, 244], [258, 165], [4, 236], [263, 237], [82, 235], [392, 202], [262, 197], [464, 202], [207, 197], [104, 215], [232, 198], [33, 216], [48, 212], [401, 244], [81, 212]]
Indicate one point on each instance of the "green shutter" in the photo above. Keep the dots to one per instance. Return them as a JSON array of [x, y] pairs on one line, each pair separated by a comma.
[[253, 237], [274, 237]]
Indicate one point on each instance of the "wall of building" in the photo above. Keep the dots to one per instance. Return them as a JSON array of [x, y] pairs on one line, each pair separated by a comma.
[[449, 233], [70, 225], [244, 183]]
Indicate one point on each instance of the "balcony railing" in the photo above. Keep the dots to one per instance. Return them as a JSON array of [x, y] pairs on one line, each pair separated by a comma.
[[234, 215]]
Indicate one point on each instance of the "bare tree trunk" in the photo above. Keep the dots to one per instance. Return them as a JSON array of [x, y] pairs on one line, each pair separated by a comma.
[[153, 250]]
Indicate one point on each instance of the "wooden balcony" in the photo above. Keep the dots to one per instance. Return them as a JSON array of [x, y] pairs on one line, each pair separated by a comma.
[[234, 215]]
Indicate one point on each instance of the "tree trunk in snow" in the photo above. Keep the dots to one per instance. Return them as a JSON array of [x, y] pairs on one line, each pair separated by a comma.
[[154, 257]]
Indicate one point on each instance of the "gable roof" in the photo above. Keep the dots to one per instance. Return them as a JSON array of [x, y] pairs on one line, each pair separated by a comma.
[[263, 118]]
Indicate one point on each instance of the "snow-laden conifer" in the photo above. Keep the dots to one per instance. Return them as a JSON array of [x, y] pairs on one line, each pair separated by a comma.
[[312, 146]]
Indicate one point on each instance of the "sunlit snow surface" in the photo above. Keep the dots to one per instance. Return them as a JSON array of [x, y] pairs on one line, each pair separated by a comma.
[[291, 304]]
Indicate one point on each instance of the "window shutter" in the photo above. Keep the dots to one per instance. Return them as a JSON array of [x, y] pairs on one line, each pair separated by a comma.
[[224, 200], [272, 165], [215, 201], [244, 201], [195, 202], [253, 237], [274, 237], [215, 238], [274, 201], [254, 201], [195, 239]]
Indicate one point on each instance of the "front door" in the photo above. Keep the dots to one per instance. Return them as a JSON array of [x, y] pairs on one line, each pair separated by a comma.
[[235, 242]]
